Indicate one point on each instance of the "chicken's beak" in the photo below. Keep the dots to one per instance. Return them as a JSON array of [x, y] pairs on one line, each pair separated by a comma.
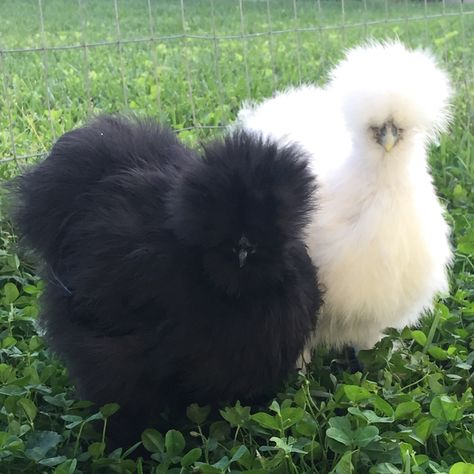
[[389, 140], [242, 257]]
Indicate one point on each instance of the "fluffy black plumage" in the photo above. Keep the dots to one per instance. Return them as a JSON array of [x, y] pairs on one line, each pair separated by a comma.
[[171, 278]]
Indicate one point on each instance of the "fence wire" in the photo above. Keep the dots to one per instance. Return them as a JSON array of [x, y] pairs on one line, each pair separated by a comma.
[[144, 56]]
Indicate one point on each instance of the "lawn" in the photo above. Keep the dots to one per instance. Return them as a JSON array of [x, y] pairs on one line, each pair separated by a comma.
[[191, 63]]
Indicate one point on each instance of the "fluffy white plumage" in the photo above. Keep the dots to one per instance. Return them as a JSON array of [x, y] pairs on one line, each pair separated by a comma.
[[378, 237]]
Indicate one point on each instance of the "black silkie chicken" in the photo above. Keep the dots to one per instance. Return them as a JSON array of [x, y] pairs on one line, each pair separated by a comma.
[[171, 278]]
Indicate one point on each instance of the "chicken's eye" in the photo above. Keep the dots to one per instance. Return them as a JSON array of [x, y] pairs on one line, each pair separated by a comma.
[[376, 131]]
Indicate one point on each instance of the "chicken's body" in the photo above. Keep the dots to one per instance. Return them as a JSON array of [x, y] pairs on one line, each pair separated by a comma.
[[377, 274], [171, 278], [378, 236]]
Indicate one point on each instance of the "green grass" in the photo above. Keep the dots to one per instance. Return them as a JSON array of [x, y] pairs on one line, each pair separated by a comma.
[[413, 409]]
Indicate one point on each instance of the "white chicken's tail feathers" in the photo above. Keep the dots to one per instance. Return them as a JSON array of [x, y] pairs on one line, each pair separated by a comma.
[[247, 110]]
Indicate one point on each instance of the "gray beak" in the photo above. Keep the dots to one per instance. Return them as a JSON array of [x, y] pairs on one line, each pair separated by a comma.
[[387, 135], [389, 140], [243, 249], [242, 257]]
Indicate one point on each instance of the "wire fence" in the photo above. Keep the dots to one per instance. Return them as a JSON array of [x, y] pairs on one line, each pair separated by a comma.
[[192, 62]]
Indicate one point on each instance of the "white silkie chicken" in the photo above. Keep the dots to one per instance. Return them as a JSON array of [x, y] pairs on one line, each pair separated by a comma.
[[378, 237]]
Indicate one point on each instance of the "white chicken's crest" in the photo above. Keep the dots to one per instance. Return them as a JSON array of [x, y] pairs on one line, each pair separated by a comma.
[[386, 80]]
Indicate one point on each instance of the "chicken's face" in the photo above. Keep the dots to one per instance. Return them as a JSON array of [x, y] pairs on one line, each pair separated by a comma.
[[239, 209], [394, 100], [387, 135], [242, 248]]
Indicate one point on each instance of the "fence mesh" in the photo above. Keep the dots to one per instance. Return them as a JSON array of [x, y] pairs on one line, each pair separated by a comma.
[[192, 62]]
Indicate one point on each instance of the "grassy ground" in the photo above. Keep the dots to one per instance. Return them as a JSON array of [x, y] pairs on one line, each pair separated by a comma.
[[412, 411]]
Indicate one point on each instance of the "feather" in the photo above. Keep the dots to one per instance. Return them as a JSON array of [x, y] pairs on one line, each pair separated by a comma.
[[187, 279], [378, 236]]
